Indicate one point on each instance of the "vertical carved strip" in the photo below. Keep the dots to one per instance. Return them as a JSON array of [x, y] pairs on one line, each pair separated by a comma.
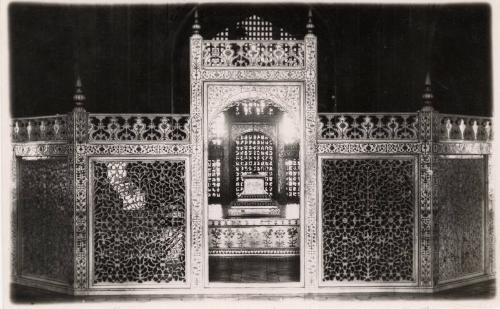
[[311, 241], [490, 266], [14, 213], [78, 159], [196, 163], [426, 188]]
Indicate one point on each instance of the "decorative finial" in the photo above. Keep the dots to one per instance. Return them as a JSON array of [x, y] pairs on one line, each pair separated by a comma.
[[334, 101], [79, 97], [334, 98], [196, 24], [310, 25], [427, 95]]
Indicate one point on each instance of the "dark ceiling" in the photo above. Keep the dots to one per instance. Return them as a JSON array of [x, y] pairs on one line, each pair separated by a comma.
[[135, 58]]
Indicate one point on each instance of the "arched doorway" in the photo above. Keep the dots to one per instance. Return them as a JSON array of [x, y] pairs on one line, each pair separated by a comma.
[[253, 191]]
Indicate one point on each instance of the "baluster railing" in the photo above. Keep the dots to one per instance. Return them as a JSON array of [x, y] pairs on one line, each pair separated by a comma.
[[464, 128], [40, 129]]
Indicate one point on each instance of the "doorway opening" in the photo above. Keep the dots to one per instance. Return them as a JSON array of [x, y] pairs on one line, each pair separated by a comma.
[[254, 194]]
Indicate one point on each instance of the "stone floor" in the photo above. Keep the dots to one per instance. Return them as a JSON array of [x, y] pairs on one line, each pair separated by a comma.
[[254, 269], [480, 291]]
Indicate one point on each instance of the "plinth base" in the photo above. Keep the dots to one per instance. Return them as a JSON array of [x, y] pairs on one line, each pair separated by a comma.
[[254, 211]]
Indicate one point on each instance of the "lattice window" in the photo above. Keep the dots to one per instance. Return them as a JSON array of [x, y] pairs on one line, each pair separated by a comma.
[[254, 152], [214, 176], [292, 178]]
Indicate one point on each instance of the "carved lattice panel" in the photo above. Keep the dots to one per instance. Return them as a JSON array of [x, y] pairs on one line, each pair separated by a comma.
[[292, 178], [460, 188], [214, 177], [45, 219], [254, 152], [368, 219], [139, 244]]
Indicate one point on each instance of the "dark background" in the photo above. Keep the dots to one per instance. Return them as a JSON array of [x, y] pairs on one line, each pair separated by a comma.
[[135, 58]]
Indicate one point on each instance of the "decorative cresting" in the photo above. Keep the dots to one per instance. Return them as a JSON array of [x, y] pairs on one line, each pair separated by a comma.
[[356, 126], [368, 220], [468, 128], [128, 127], [37, 129], [460, 185], [144, 244], [288, 54], [45, 220]]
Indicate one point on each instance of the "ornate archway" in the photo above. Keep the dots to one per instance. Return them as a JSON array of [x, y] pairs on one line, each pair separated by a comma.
[[216, 85]]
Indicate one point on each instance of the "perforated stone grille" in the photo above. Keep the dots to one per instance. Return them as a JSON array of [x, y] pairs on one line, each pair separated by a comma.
[[140, 245], [368, 219]]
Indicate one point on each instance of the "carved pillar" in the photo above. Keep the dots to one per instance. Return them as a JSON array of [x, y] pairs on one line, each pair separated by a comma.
[[309, 154], [197, 162], [428, 128], [78, 137]]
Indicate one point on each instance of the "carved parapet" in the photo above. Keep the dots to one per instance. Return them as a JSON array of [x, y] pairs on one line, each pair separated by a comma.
[[105, 128], [464, 128], [289, 54], [40, 129], [354, 126]]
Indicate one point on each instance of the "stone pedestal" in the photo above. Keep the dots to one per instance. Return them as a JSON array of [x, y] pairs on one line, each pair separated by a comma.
[[253, 201]]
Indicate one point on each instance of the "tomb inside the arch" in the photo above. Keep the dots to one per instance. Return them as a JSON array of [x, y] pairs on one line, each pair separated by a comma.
[[254, 181]]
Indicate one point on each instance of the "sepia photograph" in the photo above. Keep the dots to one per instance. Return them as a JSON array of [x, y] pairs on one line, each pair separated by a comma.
[[269, 151]]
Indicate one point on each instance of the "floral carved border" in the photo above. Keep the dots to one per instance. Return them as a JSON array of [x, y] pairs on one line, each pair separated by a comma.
[[462, 148], [367, 147], [37, 150]]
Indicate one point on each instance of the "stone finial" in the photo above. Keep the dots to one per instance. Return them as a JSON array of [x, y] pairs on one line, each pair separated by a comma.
[[427, 96], [196, 25], [310, 25], [79, 97]]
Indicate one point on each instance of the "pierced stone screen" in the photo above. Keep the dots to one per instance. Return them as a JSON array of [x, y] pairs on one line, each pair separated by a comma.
[[45, 219], [254, 152], [460, 186], [368, 219], [139, 221]]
